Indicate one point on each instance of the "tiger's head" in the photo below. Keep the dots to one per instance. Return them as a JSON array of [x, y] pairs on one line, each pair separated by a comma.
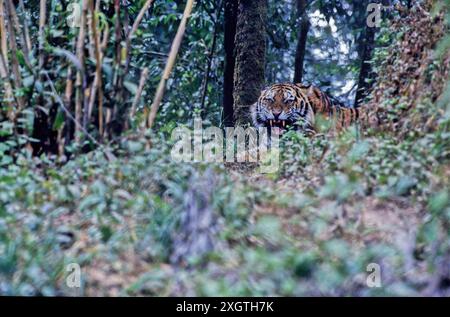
[[279, 106]]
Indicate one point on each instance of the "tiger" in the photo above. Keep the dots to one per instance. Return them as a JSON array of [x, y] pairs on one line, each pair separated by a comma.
[[295, 106]]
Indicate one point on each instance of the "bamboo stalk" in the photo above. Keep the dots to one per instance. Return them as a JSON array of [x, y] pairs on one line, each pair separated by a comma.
[[9, 97], [108, 117], [67, 112], [117, 77], [18, 27], [14, 60], [137, 98], [3, 36], [67, 101], [117, 58], [41, 35], [4, 71], [133, 30], [117, 31], [69, 87], [97, 86], [90, 33], [26, 24], [170, 63], [105, 39], [109, 156], [92, 87], [92, 96], [80, 82], [90, 16], [139, 18], [104, 118], [60, 142]]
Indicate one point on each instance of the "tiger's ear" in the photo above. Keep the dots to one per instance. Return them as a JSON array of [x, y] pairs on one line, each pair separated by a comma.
[[311, 90]]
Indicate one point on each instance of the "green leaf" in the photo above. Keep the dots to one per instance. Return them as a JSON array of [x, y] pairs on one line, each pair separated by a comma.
[[439, 202], [131, 87], [59, 121]]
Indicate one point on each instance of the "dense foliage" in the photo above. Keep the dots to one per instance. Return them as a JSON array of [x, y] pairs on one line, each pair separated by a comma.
[[336, 205]]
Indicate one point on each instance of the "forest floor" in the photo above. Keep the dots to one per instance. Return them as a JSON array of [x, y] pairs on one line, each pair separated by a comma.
[[333, 230], [369, 221]]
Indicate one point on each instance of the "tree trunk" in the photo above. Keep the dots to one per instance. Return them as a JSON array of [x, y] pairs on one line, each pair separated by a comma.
[[250, 45], [366, 69], [302, 38], [360, 11], [230, 58]]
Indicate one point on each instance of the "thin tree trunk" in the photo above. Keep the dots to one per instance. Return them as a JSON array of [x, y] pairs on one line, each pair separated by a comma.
[[360, 10], [4, 71], [366, 70], [3, 36], [302, 39], [170, 63], [133, 30], [21, 29], [250, 57], [230, 14], [8, 97], [80, 82], [97, 86], [68, 124], [42, 20], [109, 129], [9, 6], [137, 97]]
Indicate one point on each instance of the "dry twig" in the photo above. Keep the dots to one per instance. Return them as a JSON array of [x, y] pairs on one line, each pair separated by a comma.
[[170, 63]]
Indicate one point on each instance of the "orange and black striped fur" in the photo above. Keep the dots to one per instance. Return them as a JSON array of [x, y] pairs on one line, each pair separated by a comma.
[[298, 105]]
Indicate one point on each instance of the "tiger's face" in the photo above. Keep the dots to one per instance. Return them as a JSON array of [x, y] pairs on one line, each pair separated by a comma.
[[279, 107]]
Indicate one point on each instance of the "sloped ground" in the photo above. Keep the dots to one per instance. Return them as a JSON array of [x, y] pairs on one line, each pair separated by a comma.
[[335, 206], [414, 72]]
